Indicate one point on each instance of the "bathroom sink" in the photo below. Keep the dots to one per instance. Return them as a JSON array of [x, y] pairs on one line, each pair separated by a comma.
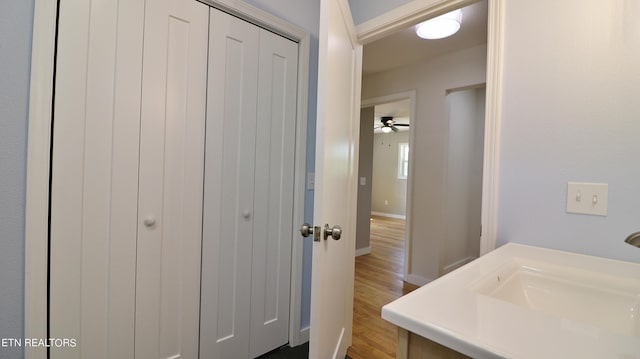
[[605, 301], [525, 302]]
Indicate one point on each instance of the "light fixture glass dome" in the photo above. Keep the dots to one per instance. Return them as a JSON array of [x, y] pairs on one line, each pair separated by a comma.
[[441, 26]]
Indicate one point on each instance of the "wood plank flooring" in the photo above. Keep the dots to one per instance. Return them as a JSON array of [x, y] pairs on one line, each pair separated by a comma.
[[378, 281]]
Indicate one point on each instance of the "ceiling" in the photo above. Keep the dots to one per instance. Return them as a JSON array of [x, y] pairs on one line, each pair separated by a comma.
[[405, 47]]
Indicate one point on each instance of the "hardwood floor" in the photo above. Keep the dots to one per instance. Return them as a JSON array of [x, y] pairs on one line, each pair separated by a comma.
[[378, 281]]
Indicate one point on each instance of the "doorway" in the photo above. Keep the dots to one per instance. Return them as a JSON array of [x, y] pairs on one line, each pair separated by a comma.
[[429, 78], [428, 208], [379, 163], [391, 133]]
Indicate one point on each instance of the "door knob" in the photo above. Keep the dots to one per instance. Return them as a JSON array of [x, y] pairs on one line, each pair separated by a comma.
[[306, 230], [335, 232], [149, 222]]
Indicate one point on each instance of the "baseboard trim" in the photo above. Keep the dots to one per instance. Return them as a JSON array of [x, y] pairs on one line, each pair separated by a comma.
[[389, 215], [416, 279], [363, 251], [457, 264], [304, 335]]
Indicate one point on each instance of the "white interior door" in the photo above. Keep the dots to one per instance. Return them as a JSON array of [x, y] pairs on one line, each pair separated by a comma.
[[335, 181], [249, 187], [171, 179]]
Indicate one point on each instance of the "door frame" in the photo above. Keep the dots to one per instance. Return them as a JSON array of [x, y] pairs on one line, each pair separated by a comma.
[[411, 96], [417, 11], [39, 161]]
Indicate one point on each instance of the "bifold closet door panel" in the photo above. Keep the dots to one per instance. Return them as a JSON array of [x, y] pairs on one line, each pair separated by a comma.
[[228, 198], [274, 188], [94, 188], [171, 179]]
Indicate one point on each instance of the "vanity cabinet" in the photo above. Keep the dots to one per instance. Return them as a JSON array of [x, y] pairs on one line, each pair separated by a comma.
[[413, 346]]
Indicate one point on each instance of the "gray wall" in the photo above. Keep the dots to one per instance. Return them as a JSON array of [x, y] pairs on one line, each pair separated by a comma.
[[386, 184], [16, 19], [363, 10], [365, 170], [430, 80], [570, 113]]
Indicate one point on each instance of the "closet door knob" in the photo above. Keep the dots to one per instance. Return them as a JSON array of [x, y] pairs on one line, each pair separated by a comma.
[[149, 222]]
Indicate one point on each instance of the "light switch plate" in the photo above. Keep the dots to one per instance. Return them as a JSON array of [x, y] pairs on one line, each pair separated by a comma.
[[588, 198], [311, 181], [363, 181]]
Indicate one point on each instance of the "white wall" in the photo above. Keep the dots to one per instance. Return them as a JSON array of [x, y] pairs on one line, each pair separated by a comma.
[[464, 177], [430, 80], [570, 113], [386, 186]]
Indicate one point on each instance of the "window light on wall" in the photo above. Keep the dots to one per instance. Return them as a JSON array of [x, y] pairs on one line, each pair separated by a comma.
[[441, 26], [403, 160]]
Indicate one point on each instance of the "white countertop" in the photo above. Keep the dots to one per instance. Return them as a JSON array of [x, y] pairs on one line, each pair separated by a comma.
[[453, 311]]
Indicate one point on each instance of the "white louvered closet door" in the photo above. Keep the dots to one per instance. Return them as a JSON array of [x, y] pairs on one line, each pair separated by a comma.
[[249, 176], [127, 176]]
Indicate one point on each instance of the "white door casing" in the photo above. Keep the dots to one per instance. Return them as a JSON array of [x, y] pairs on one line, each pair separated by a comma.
[[335, 199], [128, 148]]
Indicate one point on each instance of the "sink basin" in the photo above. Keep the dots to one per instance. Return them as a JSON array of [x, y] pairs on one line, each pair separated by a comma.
[[604, 301], [529, 302]]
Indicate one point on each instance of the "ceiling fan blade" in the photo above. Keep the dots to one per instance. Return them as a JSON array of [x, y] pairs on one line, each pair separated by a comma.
[[402, 124], [394, 129]]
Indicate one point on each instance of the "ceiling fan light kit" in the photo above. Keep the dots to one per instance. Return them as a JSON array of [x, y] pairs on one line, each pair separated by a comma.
[[441, 26], [389, 124]]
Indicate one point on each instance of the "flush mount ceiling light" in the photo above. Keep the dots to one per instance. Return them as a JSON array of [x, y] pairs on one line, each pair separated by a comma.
[[441, 26]]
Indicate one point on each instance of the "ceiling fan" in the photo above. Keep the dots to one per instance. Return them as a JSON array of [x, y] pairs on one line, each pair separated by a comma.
[[389, 124]]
